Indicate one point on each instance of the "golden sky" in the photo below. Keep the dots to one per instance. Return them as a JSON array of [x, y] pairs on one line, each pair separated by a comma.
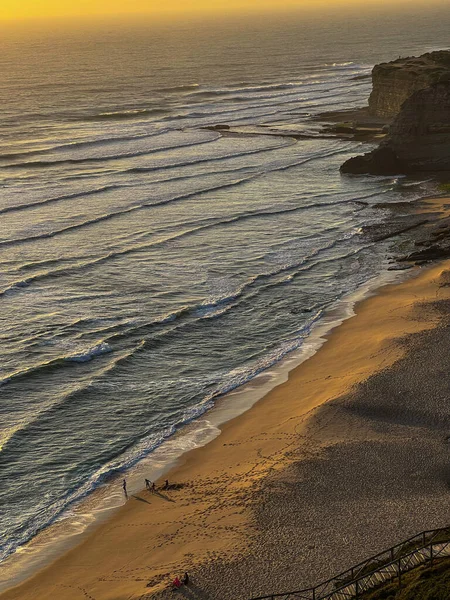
[[20, 9]]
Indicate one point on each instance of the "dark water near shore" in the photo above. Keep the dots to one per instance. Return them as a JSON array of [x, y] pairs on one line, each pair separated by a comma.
[[148, 265]]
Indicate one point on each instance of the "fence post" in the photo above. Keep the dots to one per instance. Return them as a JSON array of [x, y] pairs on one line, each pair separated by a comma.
[[314, 594], [356, 589], [399, 572], [424, 539], [431, 554]]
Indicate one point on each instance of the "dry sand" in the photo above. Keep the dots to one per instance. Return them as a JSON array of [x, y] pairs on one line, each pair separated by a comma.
[[295, 489]]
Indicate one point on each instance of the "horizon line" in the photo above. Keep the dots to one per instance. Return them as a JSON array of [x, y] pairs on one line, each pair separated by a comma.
[[312, 7]]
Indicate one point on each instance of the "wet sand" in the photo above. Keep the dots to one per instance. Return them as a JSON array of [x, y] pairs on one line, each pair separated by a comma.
[[347, 457]]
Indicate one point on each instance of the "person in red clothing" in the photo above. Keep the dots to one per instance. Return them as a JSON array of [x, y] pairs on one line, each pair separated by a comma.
[[176, 583]]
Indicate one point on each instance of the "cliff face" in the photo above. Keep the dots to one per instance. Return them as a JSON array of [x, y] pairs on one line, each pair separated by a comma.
[[396, 81], [419, 135]]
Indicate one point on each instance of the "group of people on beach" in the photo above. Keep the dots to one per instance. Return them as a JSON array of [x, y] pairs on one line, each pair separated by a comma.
[[149, 485]]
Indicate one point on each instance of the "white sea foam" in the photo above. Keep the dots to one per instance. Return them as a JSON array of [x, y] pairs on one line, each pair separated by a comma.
[[91, 353]]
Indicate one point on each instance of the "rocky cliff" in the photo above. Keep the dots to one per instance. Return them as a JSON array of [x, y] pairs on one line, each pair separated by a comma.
[[396, 81], [419, 135]]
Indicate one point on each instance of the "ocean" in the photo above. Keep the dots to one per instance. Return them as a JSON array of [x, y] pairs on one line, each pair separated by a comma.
[[148, 264]]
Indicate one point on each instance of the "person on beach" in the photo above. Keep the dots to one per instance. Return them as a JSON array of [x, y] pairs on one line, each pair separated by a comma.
[[176, 583], [185, 580], [124, 485], [154, 488], [148, 485], [166, 485]]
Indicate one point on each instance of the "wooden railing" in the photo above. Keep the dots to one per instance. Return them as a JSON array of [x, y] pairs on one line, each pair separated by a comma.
[[381, 568]]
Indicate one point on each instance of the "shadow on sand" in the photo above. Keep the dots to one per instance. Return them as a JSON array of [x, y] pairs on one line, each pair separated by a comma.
[[193, 592], [141, 499], [163, 496]]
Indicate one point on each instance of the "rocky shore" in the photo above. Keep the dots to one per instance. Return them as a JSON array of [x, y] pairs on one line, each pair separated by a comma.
[[420, 231]]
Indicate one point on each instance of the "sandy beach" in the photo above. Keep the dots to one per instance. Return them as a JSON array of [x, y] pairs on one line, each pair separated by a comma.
[[349, 456]]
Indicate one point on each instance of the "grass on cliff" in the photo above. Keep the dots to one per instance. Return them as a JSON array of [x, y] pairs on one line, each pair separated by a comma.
[[445, 187], [422, 583]]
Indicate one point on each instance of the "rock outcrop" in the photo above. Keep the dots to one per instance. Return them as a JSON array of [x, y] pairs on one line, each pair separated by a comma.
[[396, 81], [419, 135], [381, 161]]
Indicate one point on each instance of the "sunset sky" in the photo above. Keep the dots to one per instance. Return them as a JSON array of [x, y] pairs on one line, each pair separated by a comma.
[[23, 9]]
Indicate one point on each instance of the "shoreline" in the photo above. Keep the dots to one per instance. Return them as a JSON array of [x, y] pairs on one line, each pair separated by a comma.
[[191, 466]]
